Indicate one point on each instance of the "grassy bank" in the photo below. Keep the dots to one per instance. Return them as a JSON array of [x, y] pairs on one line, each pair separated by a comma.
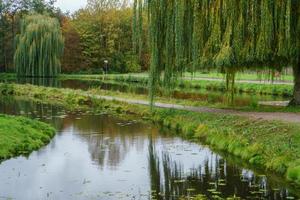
[[272, 145], [243, 76], [181, 96], [21, 136], [210, 100], [186, 98], [264, 76], [183, 84]]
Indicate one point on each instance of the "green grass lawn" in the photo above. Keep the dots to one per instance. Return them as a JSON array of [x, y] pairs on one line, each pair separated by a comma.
[[191, 86], [21, 136], [210, 85], [250, 88], [240, 76]]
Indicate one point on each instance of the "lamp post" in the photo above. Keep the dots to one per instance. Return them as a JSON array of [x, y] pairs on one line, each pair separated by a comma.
[[106, 66]]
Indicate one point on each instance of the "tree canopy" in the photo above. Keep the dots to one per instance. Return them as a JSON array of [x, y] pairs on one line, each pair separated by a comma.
[[11, 13], [39, 47], [227, 34], [101, 31]]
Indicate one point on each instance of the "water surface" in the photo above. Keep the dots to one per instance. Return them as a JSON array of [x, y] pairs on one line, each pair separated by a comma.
[[202, 95], [97, 156]]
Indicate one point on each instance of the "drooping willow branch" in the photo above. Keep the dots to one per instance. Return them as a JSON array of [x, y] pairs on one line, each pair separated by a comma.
[[221, 34], [39, 47]]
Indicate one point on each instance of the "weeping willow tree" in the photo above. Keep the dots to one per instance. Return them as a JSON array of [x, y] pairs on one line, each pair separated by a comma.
[[137, 27], [229, 35], [39, 47]]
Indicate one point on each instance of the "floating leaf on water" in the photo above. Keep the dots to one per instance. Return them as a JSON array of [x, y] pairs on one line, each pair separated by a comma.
[[191, 189], [179, 181], [211, 190], [216, 192], [86, 181], [262, 190], [290, 197], [254, 186], [262, 176], [216, 197]]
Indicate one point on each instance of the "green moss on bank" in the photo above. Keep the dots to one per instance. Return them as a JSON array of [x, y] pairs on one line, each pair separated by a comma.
[[21, 136], [272, 145]]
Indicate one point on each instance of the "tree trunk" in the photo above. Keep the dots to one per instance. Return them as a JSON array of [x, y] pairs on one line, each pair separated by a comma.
[[296, 97]]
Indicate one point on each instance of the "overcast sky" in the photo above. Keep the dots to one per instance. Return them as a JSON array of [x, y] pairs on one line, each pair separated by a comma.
[[70, 5]]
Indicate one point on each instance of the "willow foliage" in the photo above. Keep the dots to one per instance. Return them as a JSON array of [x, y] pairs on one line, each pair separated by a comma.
[[226, 34], [39, 47], [137, 27]]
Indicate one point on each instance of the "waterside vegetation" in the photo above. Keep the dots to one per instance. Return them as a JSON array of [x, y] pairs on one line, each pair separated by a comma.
[[269, 144], [21, 136], [262, 88]]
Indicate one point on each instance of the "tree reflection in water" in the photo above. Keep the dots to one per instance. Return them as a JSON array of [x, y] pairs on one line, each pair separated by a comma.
[[146, 158], [212, 178]]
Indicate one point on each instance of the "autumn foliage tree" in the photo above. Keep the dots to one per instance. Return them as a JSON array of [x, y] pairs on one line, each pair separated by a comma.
[[72, 60], [101, 31]]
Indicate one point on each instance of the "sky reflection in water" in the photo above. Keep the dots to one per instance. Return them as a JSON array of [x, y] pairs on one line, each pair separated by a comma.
[[102, 157]]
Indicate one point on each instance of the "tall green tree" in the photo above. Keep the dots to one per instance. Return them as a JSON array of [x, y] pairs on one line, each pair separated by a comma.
[[229, 35], [73, 60], [105, 33], [138, 36], [11, 13], [39, 47]]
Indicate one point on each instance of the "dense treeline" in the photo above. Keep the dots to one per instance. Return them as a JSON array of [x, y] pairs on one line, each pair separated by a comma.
[[102, 31], [229, 35], [11, 14]]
